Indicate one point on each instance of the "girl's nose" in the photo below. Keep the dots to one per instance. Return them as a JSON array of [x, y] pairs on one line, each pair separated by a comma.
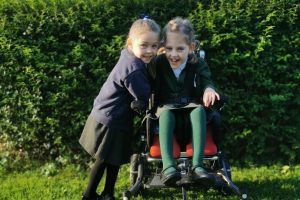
[[149, 50], [173, 53]]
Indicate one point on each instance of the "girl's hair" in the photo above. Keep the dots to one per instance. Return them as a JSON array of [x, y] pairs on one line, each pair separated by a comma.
[[141, 26], [185, 27]]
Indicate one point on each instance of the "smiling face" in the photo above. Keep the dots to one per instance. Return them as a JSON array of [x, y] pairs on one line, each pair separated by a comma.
[[177, 49], [145, 45]]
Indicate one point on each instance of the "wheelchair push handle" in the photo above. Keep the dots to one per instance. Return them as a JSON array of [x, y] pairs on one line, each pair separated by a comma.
[[139, 106]]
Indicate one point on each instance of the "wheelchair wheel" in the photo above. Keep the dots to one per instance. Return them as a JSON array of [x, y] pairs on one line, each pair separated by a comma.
[[222, 165], [225, 167], [134, 163]]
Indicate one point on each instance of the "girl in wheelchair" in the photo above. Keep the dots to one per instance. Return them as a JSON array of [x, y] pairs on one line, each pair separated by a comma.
[[182, 87]]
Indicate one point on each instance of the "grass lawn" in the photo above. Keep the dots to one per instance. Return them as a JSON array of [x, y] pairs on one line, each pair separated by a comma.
[[272, 183]]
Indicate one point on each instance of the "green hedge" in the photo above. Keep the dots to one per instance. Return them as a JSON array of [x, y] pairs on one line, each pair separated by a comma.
[[253, 50], [55, 55]]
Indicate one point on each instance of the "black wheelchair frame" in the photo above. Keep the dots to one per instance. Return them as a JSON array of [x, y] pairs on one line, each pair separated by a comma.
[[145, 171]]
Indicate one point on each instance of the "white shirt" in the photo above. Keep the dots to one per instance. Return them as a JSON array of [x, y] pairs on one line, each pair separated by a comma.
[[179, 69]]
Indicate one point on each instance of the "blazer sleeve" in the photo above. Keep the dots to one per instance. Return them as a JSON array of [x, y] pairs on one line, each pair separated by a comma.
[[138, 85], [203, 77]]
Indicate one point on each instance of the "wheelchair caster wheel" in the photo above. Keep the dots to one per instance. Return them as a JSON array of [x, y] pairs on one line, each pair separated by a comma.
[[244, 196], [126, 195]]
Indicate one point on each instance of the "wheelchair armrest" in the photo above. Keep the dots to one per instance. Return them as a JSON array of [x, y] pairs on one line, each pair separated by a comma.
[[219, 104], [149, 130]]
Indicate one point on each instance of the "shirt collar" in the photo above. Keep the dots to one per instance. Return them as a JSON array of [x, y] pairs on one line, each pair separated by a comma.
[[179, 69]]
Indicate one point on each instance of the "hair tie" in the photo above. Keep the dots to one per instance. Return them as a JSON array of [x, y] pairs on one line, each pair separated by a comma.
[[144, 17]]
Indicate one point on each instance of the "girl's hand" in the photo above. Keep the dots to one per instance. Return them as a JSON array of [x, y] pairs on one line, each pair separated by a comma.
[[209, 97]]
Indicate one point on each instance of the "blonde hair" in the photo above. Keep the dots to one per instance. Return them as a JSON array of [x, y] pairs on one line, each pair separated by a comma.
[[141, 26], [185, 27]]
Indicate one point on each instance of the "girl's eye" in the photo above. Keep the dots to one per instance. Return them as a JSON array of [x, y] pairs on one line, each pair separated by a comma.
[[155, 46], [180, 49], [143, 45], [168, 48]]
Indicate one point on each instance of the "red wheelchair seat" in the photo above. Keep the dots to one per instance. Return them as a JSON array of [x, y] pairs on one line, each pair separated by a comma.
[[209, 150], [210, 147], [155, 148]]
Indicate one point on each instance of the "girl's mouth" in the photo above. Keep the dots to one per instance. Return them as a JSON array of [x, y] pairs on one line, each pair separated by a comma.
[[174, 61]]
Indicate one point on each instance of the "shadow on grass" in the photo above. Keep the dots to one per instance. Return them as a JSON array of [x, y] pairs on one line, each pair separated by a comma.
[[285, 188], [276, 189]]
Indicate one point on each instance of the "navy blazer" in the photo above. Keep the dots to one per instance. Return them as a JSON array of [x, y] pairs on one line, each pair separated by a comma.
[[128, 81]]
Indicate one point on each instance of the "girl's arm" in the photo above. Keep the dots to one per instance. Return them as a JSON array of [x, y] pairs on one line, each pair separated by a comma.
[[138, 85], [205, 84]]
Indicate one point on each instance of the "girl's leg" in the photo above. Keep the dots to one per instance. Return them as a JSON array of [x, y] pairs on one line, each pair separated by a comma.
[[216, 128], [166, 129], [95, 178], [198, 122], [111, 178], [169, 174]]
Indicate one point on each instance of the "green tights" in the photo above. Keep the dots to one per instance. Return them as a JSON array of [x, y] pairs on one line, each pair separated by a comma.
[[166, 129]]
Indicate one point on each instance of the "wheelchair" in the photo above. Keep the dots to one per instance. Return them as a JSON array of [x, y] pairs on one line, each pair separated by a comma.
[[146, 165]]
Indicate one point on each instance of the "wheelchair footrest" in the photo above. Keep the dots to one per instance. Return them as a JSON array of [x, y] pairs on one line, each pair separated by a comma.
[[155, 182], [185, 180]]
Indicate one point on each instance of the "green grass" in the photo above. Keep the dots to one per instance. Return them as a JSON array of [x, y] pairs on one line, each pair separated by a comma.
[[275, 182]]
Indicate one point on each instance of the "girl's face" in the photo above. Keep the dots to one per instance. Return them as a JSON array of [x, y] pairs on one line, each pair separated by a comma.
[[145, 45], [177, 49]]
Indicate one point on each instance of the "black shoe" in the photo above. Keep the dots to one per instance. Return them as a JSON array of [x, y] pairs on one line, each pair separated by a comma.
[[186, 179], [203, 177], [170, 178], [106, 197], [94, 197], [84, 197]]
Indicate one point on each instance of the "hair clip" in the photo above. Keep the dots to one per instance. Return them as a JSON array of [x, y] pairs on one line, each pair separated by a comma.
[[144, 17]]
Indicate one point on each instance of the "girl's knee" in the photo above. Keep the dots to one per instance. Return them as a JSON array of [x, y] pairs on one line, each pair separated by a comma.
[[200, 110], [167, 113]]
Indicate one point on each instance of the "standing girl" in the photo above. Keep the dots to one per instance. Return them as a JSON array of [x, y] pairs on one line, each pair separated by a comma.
[[108, 130], [182, 81]]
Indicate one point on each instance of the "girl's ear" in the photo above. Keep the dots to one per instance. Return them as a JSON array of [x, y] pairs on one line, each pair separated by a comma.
[[192, 47], [129, 43]]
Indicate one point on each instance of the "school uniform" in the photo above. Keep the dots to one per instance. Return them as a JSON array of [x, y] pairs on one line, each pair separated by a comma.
[[181, 93], [108, 130], [184, 92]]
